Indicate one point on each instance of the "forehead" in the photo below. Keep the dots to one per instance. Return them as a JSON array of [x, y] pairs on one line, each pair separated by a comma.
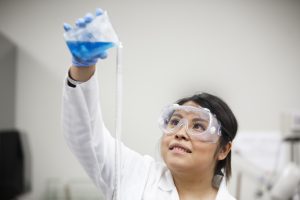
[[192, 103], [193, 114]]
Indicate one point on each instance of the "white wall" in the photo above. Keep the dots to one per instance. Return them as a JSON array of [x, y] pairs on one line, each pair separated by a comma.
[[7, 83], [245, 51]]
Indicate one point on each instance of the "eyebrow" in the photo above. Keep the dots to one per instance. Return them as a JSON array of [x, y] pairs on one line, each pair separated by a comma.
[[177, 115], [195, 119], [199, 119]]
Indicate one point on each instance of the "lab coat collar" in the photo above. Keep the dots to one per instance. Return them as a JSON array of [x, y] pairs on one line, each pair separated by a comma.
[[166, 182], [223, 193]]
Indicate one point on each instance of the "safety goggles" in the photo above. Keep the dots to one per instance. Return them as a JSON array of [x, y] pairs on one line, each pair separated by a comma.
[[199, 123]]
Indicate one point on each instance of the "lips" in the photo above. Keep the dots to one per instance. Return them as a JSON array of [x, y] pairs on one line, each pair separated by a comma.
[[179, 147]]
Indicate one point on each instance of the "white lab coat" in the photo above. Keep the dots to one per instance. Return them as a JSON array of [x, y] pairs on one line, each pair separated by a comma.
[[142, 177]]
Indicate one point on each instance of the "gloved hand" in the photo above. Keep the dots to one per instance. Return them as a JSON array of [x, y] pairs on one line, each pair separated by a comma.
[[85, 48]]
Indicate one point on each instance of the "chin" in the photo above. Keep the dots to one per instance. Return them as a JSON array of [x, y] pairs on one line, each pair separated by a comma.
[[177, 165]]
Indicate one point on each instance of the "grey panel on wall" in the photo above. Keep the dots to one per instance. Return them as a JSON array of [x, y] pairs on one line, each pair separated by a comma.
[[8, 56]]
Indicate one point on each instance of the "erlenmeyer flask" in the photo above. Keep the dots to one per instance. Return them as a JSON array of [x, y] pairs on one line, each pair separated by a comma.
[[92, 40]]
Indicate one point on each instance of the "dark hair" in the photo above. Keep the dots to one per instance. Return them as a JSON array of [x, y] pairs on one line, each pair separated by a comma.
[[228, 123]]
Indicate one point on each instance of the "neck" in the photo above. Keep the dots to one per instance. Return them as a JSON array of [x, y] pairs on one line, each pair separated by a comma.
[[190, 186]]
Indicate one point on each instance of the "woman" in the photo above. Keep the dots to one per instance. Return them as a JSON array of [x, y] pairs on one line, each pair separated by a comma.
[[195, 146]]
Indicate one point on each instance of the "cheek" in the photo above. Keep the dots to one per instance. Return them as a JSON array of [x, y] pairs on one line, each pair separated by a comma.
[[164, 146], [205, 152]]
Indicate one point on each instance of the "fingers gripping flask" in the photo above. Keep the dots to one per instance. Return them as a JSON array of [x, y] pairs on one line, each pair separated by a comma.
[[92, 39]]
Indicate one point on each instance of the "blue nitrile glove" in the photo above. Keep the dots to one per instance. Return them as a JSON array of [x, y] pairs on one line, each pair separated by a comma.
[[82, 56]]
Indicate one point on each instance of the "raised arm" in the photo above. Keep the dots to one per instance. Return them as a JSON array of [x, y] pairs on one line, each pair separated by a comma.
[[86, 134], [84, 129]]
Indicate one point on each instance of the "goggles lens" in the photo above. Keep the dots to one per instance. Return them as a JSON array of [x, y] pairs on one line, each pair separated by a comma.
[[199, 122]]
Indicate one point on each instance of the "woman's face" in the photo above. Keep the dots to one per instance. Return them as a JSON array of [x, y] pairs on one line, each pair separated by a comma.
[[183, 154]]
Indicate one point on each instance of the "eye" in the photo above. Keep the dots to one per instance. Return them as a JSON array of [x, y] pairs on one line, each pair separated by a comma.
[[173, 122], [198, 127]]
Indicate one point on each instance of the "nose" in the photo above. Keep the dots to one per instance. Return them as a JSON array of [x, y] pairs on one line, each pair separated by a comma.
[[181, 134]]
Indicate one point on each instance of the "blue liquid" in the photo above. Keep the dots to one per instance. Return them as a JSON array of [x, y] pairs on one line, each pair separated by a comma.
[[88, 50]]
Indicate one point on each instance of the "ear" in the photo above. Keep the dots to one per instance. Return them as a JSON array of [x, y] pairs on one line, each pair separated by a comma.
[[224, 151]]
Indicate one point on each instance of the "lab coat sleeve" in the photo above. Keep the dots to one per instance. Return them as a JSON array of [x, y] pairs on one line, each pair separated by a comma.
[[89, 139]]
